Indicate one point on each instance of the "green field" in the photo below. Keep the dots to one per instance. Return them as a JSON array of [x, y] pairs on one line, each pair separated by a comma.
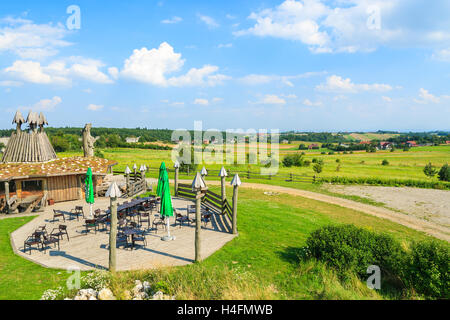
[[261, 263], [402, 165]]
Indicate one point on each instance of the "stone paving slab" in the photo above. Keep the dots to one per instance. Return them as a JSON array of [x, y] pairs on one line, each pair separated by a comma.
[[90, 251]]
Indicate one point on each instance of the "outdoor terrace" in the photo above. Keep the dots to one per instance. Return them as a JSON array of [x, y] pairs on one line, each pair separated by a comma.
[[88, 251]]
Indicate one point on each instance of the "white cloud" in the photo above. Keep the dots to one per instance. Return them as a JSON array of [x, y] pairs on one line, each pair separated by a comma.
[[387, 99], [426, 97], [153, 66], [259, 79], [336, 83], [203, 102], [309, 103], [172, 20], [216, 100], [95, 107], [225, 45], [10, 83], [44, 104], [442, 55], [113, 72], [272, 99], [29, 40], [210, 22], [59, 71], [354, 25]]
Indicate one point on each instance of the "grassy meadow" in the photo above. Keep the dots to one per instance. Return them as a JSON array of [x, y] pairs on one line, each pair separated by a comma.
[[402, 165], [262, 263]]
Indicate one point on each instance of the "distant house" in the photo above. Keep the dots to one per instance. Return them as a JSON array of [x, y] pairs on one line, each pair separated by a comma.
[[313, 146], [205, 141], [447, 142], [365, 142], [285, 141], [4, 140], [411, 144], [132, 139], [385, 145]]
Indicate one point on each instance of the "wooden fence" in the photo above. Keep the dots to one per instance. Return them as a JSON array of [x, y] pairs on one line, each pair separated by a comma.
[[210, 200], [287, 177]]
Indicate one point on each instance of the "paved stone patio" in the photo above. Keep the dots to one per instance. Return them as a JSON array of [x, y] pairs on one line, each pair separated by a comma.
[[88, 251]]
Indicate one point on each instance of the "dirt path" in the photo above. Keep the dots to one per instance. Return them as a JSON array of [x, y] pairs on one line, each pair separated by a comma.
[[412, 222]]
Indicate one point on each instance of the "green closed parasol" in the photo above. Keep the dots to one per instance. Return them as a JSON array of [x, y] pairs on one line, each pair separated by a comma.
[[89, 190], [159, 188], [163, 190]]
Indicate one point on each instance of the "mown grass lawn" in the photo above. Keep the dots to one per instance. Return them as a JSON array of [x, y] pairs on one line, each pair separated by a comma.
[[21, 279], [262, 263]]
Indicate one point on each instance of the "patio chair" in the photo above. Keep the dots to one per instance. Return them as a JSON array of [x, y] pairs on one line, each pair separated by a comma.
[[78, 211], [191, 209], [61, 231], [122, 223], [206, 219], [104, 221], [159, 221], [34, 239], [180, 219], [91, 224], [122, 240], [57, 214], [49, 240], [140, 238], [144, 216]]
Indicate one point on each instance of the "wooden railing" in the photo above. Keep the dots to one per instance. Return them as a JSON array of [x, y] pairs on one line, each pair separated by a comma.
[[288, 177], [212, 201], [136, 187]]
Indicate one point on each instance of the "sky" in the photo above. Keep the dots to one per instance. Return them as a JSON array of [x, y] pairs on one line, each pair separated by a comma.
[[306, 65]]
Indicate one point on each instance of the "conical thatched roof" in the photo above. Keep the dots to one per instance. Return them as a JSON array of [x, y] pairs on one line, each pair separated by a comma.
[[29, 146], [18, 118]]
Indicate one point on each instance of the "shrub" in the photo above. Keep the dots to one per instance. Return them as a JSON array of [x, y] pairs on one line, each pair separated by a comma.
[[348, 248], [318, 167], [428, 269], [384, 162], [444, 173], [294, 160], [430, 170], [99, 154]]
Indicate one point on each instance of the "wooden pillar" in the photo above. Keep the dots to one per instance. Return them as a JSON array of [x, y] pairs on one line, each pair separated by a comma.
[[7, 195], [113, 235], [127, 178], [79, 187], [19, 189], [176, 181], [235, 202], [198, 225], [224, 193], [45, 191]]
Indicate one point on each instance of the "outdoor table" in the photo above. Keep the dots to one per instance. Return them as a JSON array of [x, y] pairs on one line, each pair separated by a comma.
[[131, 232]]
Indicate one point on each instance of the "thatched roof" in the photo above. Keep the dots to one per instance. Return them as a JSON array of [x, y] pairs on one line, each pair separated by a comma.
[[59, 167]]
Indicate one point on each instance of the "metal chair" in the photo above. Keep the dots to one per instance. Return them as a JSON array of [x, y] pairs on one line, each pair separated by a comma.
[[61, 231]]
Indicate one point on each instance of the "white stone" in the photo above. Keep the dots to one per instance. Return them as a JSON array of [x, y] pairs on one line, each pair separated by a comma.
[[106, 294]]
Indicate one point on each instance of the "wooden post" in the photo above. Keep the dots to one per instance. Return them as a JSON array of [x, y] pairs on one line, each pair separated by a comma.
[[236, 182], [113, 235], [7, 195], [248, 174], [235, 200], [222, 183], [176, 180], [45, 191], [292, 177], [127, 178], [198, 225]]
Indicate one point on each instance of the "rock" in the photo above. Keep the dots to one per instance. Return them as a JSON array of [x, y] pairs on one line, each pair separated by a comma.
[[147, 287], [86, 294], [106, 294], [158, 296]]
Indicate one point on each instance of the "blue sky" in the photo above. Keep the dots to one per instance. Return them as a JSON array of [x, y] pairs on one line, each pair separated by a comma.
[[308, 65]]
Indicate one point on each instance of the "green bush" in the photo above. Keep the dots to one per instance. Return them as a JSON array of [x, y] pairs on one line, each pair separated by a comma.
[[388, 182], [428, 269], [444, 173], [348, 248], [384, 162], [424, 268]]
